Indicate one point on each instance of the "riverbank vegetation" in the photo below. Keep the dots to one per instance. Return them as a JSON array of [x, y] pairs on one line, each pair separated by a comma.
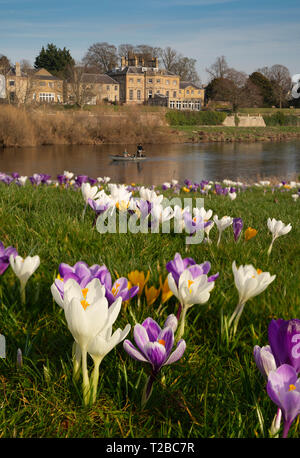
[[21, 127], [215, 390], [92, 125]]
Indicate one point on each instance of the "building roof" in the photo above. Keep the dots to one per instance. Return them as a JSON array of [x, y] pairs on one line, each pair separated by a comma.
[[140, 70], [97, 78], [185, 84]]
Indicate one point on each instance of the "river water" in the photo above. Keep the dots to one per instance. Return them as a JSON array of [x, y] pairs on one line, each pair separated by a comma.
[[211, 161]]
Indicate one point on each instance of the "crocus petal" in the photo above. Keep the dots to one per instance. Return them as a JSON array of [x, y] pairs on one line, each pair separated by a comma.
[[177, 353]]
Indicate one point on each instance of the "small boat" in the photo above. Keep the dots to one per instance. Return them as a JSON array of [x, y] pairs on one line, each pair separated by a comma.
[[120, 157]]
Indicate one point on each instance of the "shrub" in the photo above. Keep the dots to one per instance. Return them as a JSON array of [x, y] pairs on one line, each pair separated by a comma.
[[194, 118], [280, 119]]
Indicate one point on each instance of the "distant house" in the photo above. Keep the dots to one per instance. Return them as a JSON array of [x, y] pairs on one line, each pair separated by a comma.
[[45, 87], [93, 88], [39, 86]]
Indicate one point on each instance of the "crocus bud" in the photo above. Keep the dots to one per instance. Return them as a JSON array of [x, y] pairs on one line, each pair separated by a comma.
[[19, 358], [172, 322]]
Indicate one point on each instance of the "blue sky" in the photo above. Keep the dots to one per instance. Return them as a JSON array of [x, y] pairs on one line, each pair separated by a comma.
[[250, 34]]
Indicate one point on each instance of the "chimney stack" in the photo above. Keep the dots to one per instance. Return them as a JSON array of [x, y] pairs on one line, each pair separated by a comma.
[[18, 69]]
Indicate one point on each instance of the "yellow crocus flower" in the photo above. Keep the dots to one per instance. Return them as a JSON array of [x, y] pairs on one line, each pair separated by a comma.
[[166, 293], [151, 294], [250, 233], [138, 278]]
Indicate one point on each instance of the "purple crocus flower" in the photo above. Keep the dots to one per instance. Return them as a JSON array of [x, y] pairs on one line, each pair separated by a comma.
[[188, 183], [36, 179], [15, 175], [237, 225], [283, 388], [97, 207], [119, 289], [178, 265], [154, 346], [4, 256], [202, 269], [81, 179], [62, 179], [264, 360], [284, 339], [81, 273], [194, 224], [92, 181]]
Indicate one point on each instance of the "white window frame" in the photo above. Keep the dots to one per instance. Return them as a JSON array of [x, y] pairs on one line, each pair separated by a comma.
[[46, 97]]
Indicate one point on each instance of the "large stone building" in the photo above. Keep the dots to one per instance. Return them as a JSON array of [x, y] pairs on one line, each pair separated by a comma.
[[93, 89], [144, 82], [39, 86]]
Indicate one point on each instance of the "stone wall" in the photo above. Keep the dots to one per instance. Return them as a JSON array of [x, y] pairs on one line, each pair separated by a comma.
[[245, 121]]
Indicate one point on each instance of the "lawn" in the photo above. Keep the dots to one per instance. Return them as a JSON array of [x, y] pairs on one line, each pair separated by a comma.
[[214, 390]]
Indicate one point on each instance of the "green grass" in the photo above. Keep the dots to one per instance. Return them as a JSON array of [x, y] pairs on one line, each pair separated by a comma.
[[211, 392], [250, 134]]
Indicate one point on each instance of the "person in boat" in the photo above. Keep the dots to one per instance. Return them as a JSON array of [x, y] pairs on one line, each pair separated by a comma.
[[125, 153], [140, 150]]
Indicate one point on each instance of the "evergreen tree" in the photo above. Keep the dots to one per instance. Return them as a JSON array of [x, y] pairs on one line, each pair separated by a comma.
[[265, 87], [57, 61]]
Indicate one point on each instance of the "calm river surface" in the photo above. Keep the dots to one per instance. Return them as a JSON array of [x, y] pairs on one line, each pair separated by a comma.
[[211, 161]]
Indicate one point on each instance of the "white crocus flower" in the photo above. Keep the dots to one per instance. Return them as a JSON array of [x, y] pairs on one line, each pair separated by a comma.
[[150, 195], [22, 180], [24, 268], [178, 216], [160, 215], [222, 224], [174, 182], [89, 192], [86, 311], [68, 174], [232, 195], [189, 291], [205, 215], [105, 341], [295, 197], [277, 228], [250, 282]]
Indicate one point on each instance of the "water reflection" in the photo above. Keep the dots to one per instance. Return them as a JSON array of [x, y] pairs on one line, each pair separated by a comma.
[[213, 161]]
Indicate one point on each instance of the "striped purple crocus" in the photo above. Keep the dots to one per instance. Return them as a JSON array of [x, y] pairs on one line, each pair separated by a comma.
[[81, 273], [154, 345], [118, 289], [5, 253], [237, 226]]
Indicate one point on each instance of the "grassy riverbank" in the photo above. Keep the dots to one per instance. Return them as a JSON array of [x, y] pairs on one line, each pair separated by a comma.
[[238, 134], [213, 391], [53, 125]]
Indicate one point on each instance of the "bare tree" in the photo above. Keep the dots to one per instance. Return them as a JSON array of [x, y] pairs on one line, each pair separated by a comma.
[[103, 56], [169, 58], [5, 65], [26, 67], [124, 49], [79, 91], [183, 66], [218, 69]]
